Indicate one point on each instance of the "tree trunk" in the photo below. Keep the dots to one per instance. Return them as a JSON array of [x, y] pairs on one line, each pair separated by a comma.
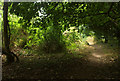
[[106, 39], [10, 57], [118, 41]]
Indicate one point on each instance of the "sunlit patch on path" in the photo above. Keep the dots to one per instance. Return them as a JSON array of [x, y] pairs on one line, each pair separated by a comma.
[[96, 55], [101, 54], [97, 62]]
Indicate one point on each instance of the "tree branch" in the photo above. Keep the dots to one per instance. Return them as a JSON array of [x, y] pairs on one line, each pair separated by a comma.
[[110, 8], [105, 13], [94, 14]]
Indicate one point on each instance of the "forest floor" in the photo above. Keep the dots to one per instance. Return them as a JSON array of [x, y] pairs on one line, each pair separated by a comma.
[[99, 61]]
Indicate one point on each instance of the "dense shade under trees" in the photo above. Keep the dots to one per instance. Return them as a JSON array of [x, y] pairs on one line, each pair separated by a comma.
[[32, 28], [99, 17]]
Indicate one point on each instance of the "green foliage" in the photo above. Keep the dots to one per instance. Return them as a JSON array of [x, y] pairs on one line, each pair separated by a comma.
[[1, 21], [47, 29], [45, 24]]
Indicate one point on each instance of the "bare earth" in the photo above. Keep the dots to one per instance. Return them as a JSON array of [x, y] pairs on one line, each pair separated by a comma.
[[98, 62]]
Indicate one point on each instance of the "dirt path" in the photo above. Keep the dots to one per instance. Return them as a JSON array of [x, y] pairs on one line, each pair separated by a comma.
[[100, 62], [102, 54]]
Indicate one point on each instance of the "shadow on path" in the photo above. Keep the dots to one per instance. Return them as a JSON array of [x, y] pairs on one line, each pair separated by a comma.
[[100, 62]]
